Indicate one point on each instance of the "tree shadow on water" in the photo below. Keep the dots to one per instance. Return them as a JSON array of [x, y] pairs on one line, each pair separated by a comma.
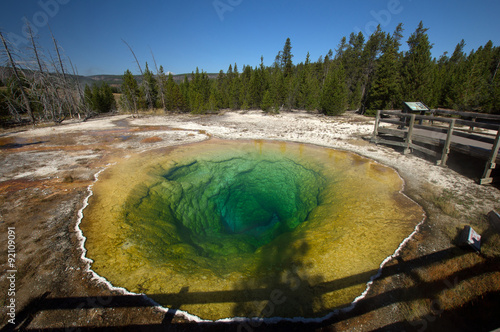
[[282, 274], [285, 289]]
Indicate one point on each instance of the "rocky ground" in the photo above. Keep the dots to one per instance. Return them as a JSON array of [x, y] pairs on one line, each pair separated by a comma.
[[44, 178]]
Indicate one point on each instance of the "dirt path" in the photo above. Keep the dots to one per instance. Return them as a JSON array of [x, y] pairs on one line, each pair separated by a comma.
[[45, 174]]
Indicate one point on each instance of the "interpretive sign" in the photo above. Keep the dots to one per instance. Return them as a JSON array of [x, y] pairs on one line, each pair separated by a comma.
[[470, 237], [415, 107]]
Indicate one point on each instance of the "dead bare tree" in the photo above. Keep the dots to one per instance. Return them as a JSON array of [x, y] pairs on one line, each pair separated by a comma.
[[19, 80], [83, 104], [65, 84], [145, 86], [132, 51], [41, 85]]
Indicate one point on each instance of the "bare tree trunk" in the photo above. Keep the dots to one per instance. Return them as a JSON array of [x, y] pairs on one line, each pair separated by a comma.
[[46, 98], [131, 50], [496, 70], [66, 86], [160, 83], [144, 84], [18, 78], [82, 103]]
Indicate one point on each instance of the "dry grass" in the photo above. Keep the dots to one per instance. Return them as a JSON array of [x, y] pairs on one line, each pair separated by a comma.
[[443, 199]]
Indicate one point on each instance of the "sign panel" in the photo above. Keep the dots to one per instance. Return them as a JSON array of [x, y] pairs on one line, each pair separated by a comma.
[[416, 106], [471, 237]]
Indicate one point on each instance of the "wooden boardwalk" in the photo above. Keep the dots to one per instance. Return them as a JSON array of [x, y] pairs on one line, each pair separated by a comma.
[[439, 132]]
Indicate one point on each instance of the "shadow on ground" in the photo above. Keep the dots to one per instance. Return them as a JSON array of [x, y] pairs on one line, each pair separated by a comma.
[[260, 299]]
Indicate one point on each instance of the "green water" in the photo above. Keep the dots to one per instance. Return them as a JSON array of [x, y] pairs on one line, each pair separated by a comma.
[[228, 223], [226, 207]]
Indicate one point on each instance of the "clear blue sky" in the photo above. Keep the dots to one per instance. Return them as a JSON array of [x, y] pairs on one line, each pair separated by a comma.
[[211, 34]]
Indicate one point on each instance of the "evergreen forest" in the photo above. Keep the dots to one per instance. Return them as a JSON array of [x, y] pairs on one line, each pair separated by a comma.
[[359, 74]]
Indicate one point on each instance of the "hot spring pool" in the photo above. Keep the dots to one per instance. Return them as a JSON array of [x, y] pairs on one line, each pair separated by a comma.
[[224, 229]]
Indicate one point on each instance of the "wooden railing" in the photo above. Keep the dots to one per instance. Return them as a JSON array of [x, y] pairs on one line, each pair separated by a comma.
[[474, 134]]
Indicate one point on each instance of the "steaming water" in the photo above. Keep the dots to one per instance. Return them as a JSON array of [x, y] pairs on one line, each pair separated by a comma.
[[246, 229]]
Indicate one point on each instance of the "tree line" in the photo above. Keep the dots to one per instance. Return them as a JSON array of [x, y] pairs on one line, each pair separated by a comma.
[[361, 74]]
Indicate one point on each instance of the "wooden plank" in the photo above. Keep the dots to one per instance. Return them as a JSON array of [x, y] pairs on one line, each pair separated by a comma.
[[431, 128], [377, 123], [409, 136], [392, 112], [470, 150], [425, 150], [446, 148], [433, 118], [428, 139], [477, 137], [490, 126], [468, 114], [494, 218], [389, 142], [394, 132], [486, 181], [490, 164], [393, 121]]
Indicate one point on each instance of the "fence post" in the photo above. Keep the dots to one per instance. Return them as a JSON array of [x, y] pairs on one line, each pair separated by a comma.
[[446, 148], [375, 129], [490, 164], [409, 135]]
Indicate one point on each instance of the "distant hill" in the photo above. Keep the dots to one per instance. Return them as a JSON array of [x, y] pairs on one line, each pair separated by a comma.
[[116, 80], [111, 80]]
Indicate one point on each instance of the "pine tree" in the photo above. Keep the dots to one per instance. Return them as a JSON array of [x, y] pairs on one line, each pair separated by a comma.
[[174, 98], [334, 94], [352, 60], [132, 98], [417, 67], [184, 87], [339, 52], [452, 73], [267, 101], [245, 82], [97, 99], [162, 86], [286, 59], [277, 88], [222, 91], [149, 87], [108, 99], [234, 88], [371, 52], [255, 92], [212, 101], [385, 90], [476, 82]]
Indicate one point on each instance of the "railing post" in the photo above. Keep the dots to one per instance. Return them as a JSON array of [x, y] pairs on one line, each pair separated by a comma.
[[473, 120], [409, 135], [375, 129], [446, 148], [491, 163]]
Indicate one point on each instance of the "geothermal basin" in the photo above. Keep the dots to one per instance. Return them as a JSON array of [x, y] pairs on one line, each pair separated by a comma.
[[224, 229]]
